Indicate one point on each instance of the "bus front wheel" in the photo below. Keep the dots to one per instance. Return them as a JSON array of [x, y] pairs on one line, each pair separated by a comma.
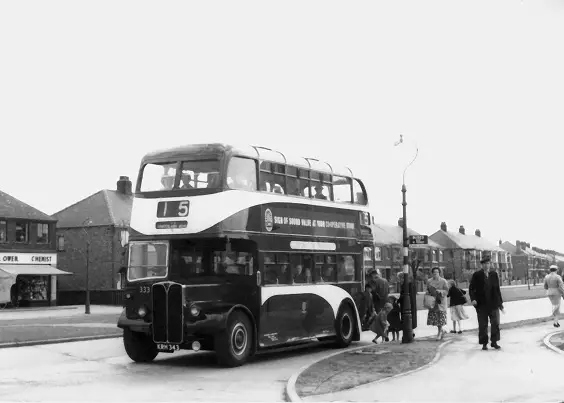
[[233, 345], [344, 326], [139, 346]]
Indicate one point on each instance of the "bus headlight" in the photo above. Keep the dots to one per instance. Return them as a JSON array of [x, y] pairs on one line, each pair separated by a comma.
[[195, 310], [142, 311]]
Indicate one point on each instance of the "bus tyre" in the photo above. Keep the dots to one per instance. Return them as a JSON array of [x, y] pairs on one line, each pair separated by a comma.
[[234, 344], [139, 346], [344, 326]]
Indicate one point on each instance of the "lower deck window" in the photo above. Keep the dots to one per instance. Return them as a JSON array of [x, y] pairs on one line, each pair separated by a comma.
[[303, 268]]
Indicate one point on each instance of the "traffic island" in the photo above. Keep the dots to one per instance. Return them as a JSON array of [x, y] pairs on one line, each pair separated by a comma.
[[557, 340], [366, 365]]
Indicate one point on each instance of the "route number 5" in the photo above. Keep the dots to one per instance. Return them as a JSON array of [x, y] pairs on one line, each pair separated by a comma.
[[183, 209]]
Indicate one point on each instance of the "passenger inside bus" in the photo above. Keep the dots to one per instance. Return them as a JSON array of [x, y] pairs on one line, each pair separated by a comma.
[[186, 179], [319, 192], [167, 181]]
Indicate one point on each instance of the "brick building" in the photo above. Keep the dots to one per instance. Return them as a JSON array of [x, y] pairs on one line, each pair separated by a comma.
[[101, 220], [528, 264], [463, 253], [388, 244], [28, 254]]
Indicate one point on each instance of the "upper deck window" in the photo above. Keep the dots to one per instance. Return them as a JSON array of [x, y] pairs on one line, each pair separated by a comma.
[[342, 189], [242, 174], [200, 175], [158, 177]]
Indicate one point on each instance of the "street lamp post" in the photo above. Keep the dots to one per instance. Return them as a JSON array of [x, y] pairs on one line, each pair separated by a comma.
[[407, 336], [87, 298]]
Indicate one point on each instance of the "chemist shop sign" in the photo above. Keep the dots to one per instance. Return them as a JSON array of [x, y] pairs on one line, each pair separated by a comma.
[[28, 258], [300, 222]]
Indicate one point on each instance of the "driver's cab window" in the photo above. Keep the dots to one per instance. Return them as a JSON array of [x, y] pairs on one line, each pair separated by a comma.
[[158, 177]]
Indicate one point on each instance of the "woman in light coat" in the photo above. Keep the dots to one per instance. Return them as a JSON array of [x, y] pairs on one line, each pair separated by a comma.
[[554, 287], [437, 286]]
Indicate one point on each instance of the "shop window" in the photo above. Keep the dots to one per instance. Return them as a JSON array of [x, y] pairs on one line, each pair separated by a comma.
[[22, 232], [242, 174], [3, 232], [42, 233]]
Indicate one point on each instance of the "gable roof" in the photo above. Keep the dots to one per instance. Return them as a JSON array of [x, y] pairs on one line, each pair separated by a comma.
[[10, 207], [509, 247], [393, 235], [471, 241], [103, 208]]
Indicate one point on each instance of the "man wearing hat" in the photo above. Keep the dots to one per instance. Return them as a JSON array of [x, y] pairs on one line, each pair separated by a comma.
[[485, 294]]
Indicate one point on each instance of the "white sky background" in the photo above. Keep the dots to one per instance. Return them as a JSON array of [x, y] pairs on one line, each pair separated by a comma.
[[87, 88]]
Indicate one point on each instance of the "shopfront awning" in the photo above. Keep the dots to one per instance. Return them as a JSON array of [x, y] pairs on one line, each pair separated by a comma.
[[31, 270]]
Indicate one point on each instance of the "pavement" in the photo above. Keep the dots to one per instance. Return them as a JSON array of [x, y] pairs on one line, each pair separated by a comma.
[[533, 311], [524, 370], [32, 326], [509, 293]]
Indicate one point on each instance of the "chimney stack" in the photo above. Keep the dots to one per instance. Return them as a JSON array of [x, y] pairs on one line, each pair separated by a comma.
[[462, 230], [400, 222], [500, 242], [478, 233], [124, 185], [518, 245], [443, 226]]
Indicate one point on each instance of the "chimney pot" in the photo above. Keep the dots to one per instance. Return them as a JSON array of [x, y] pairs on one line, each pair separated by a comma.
[[462, 230], [478, 233], [500, 242], [443, 226], [124, 185]]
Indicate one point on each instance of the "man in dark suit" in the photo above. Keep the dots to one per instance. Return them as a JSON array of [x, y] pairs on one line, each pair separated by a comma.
[[485, 295]]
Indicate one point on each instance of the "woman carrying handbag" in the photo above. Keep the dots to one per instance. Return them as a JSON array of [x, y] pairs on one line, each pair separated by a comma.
[[437, 289]]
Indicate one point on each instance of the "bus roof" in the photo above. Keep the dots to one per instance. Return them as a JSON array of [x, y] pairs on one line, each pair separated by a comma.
[[216, 150]]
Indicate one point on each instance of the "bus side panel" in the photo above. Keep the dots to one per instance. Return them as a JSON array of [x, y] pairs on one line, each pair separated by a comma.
[[287, 318]]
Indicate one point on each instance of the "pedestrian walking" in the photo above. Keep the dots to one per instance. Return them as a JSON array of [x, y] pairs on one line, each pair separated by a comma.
[[456, 304], [554, 287], [437, 287], [485, 294], [380, 323], [380, 289]]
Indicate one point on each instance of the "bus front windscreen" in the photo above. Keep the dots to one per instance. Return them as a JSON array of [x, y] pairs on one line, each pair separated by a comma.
[[197, 174], [147, 260]]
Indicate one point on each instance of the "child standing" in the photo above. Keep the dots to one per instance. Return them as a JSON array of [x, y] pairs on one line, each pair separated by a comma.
[[380, 324], [394, 318], [457, 301]]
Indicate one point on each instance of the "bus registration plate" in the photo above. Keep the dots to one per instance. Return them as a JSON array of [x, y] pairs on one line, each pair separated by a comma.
[[167, 348]]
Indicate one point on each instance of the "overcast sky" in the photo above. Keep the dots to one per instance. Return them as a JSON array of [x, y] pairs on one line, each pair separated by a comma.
[[87, 88]]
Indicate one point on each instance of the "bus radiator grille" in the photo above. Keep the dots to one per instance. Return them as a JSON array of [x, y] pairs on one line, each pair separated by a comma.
[[175, 317], [159, 313]]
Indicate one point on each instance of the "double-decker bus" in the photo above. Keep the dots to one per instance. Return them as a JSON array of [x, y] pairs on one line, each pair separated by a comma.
[[240, 249]]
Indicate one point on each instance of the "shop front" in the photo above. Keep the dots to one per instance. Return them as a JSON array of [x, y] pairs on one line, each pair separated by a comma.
[[29, 279]]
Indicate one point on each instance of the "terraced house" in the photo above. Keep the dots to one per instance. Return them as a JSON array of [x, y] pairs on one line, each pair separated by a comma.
[[388, 244], [463, 253], [28, 255], [94, 232], [529, 265]]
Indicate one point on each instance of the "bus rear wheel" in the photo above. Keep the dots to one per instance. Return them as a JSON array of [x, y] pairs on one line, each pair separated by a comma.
[[234, 344], [344, 327], [139, 346]]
